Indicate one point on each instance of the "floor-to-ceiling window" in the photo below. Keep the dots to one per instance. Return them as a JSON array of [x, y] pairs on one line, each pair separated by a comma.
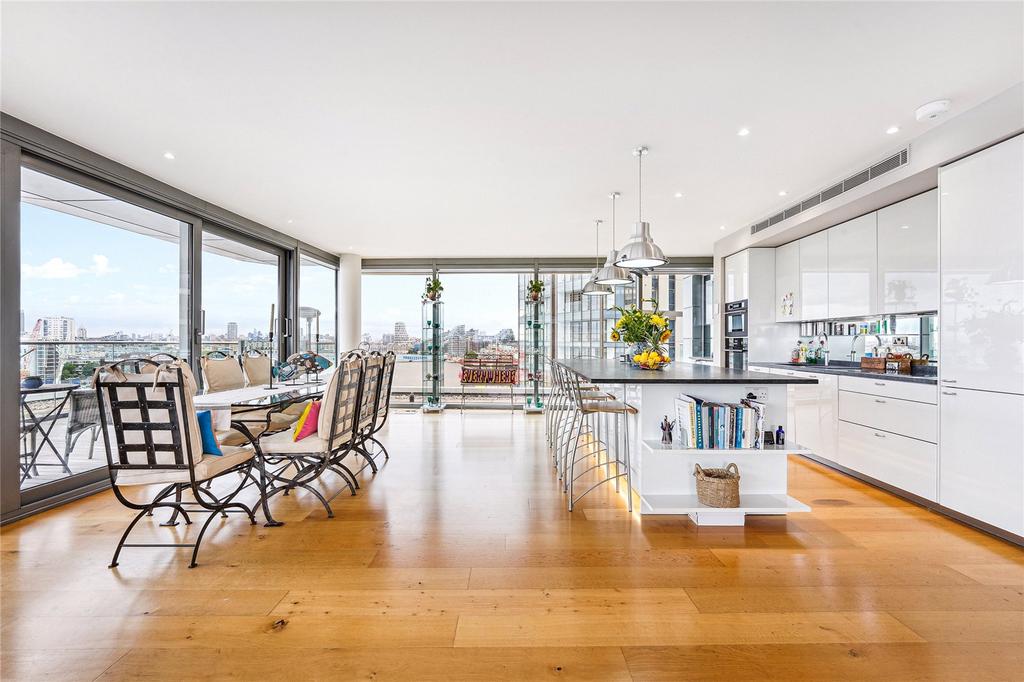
[[241, 303], [318, 307], [391, 320], [102, 279]]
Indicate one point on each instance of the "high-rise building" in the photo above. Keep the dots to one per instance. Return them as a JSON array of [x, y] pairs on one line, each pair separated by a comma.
[[232, 331], [401, 333], [54, 329]]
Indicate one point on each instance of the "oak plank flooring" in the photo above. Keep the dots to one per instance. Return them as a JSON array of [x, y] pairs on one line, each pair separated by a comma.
[[459, 561]]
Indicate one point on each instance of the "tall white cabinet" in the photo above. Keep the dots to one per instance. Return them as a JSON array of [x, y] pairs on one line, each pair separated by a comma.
[[737, 277], [908, 255], [853, 268], [814, 276], [981, 318], [787, 283]]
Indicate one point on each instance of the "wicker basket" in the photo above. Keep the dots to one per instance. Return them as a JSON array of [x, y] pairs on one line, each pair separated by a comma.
[[718, 487]]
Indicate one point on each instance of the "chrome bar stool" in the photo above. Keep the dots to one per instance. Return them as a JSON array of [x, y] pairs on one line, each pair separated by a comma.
[[617, 462]]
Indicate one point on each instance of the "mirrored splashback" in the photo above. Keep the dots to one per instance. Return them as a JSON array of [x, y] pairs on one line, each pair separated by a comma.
[[852, 339]]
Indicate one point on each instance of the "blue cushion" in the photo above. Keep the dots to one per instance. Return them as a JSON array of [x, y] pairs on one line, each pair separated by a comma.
[[210, 444]]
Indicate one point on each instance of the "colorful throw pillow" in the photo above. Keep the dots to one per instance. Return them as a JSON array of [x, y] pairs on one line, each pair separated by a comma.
[[210, 444], [306, 426]]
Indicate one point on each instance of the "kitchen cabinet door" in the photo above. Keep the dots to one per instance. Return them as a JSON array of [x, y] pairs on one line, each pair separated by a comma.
[[787, 282], [905, 463], [853, 268], [737, 275], [981, 456], [814, 277], [908, 255], [981, 265], [828, 417]]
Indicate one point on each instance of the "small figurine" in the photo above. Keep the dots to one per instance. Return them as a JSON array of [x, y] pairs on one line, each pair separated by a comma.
[[666, 431]]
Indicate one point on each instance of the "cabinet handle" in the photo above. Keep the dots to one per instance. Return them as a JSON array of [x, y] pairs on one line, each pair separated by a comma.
[[949, 381], [877, 400], [948, 393], [879, 383], [879, 435]]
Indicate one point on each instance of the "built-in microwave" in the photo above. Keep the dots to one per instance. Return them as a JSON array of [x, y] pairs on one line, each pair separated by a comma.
[[736, 353], [735, 319]]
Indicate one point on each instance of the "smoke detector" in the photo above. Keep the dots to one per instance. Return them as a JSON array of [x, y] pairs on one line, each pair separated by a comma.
[[932, 110]]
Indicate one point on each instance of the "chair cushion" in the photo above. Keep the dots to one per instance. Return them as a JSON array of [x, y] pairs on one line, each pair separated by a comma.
[[282, 443], [209, 438], [208, 467]]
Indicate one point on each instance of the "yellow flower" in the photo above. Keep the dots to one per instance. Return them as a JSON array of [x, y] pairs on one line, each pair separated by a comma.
[[665, 335], [636, 358], [665, 358], [620, 323], [615, 336], [658, 320]]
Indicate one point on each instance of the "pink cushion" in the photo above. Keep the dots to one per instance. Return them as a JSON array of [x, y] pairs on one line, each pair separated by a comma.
[[306, 425]]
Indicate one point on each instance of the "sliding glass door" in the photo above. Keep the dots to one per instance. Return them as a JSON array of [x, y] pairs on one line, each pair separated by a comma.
[[102, 279], [318, 308], [242, 302]]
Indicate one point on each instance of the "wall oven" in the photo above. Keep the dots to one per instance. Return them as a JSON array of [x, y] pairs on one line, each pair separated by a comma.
[[736, 319], [736, 353]]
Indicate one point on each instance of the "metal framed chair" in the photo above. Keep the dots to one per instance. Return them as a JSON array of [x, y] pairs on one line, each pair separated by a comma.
[[257, 367], [382, 407], [83, 417], [299, 463], [221, 372], [154, 439]]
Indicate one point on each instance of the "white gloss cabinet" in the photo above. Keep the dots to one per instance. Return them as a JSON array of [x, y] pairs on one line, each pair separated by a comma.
[[853, 268], [981, 264], [981, 462], [787, 283], [737, 277], [814, 277], [905, 463], [908, 255]]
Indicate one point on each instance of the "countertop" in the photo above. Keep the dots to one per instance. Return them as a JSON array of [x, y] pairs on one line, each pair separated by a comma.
[[615, 372], [848, 371]]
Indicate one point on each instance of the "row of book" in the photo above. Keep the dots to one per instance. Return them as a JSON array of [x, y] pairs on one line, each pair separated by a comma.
[[707, 425]]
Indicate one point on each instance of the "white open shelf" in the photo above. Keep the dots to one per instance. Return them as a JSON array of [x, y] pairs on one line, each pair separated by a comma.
[[715, 516], [793, 449]]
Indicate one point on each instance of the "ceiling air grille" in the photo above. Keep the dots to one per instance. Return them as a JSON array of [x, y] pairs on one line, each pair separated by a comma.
[[893, 162]]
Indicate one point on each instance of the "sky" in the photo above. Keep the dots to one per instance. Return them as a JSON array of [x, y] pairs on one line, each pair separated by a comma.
[[487, 302], [110, 280]]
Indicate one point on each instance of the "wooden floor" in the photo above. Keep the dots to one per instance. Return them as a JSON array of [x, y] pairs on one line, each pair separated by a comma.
[[459, 561]]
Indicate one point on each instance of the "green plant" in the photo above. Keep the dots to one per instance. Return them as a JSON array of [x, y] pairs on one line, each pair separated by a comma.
[[648, 331], [535, 286], [433, 289]]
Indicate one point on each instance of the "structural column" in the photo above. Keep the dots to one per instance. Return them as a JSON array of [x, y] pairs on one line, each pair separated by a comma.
[[350, 300]]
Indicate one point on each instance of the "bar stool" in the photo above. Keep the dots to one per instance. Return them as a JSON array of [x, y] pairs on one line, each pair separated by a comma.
[[568, 421], [593, 410]]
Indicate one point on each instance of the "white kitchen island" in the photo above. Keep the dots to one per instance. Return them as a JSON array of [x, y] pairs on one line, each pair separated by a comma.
[[663, 476]]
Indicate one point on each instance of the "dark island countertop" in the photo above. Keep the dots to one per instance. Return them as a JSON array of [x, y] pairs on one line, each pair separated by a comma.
[[850, 370], [615, 372]]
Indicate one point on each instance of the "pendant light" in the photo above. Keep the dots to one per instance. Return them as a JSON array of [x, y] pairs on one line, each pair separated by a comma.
[[641, 251], [592, 288], [611, 273]]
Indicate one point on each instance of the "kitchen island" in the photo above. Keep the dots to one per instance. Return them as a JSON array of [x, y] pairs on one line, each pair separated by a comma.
[[662, 476]]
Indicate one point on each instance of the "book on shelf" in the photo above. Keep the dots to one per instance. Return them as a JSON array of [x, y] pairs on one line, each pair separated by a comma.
[[706, 425]]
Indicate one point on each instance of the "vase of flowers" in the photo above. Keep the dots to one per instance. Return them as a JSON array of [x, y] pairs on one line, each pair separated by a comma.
[[534, 289], [433, 289], [648, 333]]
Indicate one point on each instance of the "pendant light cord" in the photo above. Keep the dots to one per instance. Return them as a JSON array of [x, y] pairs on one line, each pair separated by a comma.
[[612, 195], [640, 184], [597, 243]]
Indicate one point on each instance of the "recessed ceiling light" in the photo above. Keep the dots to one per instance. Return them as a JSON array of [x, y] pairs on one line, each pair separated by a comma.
[[783, 192], [678, 195], [932, 110], [169, 156], [892, 130], [743, 132], [904, 227], [290, 221], [721, 227]]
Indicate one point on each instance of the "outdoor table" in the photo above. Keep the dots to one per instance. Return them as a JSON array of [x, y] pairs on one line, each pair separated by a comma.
[[33, 426]]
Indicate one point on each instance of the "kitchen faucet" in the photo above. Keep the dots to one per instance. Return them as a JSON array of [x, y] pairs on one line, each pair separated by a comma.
[[853, 346]]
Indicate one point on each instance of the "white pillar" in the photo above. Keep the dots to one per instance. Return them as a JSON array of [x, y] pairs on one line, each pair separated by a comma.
[[350, 301]]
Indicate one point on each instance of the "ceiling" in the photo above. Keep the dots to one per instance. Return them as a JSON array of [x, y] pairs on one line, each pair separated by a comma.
[[492, 129]]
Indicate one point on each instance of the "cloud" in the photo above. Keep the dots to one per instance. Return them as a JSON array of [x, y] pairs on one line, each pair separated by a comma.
[[101, 265], [55, 268], [58, 268]]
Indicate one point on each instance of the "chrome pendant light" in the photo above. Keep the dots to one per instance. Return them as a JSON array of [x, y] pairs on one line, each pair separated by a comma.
[[641, 251], [592, 288], [611, 273]]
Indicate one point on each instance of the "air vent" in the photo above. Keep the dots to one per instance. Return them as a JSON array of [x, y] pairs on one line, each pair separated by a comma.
[[857, 179]]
